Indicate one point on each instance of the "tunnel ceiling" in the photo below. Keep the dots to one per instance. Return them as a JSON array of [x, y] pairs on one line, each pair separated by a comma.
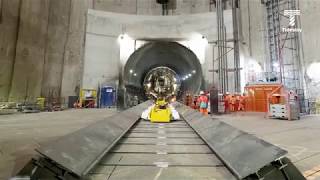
[[169, 54]]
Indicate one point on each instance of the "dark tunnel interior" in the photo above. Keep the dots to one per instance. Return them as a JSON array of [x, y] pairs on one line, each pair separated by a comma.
[[163, 54]]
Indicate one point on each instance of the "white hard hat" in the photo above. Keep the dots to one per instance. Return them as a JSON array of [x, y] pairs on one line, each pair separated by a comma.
[[201, 92]]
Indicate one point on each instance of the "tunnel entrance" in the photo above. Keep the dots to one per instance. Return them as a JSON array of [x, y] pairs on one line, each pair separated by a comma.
[[174, 56]]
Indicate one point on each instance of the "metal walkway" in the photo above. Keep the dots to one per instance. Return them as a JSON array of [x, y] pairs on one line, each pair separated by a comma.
[[160, 151], [125, 147]]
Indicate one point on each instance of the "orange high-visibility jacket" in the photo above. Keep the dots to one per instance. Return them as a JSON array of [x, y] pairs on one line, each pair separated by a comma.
[[203, 98]]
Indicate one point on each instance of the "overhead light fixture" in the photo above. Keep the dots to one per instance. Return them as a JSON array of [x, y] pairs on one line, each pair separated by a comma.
[[131, 71], [124, 38], [135, 74], [193, 71], [275, 64]]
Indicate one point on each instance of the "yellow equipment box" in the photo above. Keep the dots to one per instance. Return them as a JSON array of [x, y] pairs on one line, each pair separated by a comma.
[[41, 102], [160, 112], [88, 98]]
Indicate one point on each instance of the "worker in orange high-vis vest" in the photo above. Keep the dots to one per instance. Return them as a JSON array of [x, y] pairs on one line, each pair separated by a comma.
[[232, 103], [242, 103], [203, 103], [226, 102], [188, 100]]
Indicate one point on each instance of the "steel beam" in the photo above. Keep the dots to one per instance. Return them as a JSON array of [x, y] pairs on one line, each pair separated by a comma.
[[243, 154], [78, 152]]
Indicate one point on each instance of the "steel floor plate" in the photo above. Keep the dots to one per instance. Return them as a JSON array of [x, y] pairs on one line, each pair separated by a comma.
[[158, 173], [169, 141], [160, 151], [133, 159], [169, 135], [132, 148], [159, 128]]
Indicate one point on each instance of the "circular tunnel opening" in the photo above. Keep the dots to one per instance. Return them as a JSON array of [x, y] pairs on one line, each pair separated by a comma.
[[174, 56]]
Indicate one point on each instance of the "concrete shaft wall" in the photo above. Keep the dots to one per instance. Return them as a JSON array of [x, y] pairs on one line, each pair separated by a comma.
[[252, 40], [151, 7], [310, 39], [42, 41], [8, 41], [41, 48], [30, 49]]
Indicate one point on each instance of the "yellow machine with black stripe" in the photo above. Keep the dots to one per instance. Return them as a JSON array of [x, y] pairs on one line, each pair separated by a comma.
[[161, 84], [160, 112]]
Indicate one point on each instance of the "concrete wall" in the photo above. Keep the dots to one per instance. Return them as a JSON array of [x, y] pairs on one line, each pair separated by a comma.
[[74, 48], [56, 37], [42, 41], [310, 13], [30, 50], [253, 55], [41, 48], [151, 7], [8, 41], [103, 55], [102, 61]]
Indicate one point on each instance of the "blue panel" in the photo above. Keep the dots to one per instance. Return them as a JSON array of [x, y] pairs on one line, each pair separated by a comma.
[[108, 97]]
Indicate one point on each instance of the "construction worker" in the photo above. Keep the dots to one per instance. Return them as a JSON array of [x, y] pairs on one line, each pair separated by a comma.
[[237, 101], [203, 103], [76, 104], [226, 102], [233, 101], [195, 102], [242, 102], [188, 100]]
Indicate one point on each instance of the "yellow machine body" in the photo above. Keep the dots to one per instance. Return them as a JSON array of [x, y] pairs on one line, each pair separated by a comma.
[[160, 112]]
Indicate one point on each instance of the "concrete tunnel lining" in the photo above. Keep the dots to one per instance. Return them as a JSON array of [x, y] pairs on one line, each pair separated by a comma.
[[169, 54]]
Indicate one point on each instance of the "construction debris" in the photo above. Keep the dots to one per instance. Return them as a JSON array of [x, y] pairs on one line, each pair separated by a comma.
[[7, 108]]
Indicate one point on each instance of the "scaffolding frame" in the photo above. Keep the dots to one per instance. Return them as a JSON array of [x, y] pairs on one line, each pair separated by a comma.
[[284, 47], [224, 68]]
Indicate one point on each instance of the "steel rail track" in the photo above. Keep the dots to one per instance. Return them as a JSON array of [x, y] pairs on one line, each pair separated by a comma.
[[162, 151], [126, 147]]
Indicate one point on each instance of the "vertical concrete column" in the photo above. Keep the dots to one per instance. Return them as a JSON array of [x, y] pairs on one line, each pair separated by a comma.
[[73, 54], [8, 39], [58, 27], [30, 50]]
